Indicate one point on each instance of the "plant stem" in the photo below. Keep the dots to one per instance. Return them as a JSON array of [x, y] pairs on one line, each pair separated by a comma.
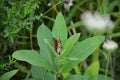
[[28, 74], [95, 55], [55, 77], [31, 42], [52, 7], [77, 71], [107, 66], [46, 17], [65, 75], [112, 67]]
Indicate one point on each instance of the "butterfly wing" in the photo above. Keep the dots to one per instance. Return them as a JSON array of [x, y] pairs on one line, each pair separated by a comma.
[[57, 45]]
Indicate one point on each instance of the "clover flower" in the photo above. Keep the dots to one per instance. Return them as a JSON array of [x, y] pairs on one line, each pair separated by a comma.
[[110, 45], [96, 22], [68, 4]]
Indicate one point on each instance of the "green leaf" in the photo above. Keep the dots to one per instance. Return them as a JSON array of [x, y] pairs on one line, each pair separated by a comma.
[[73, 58], [31, 79], [44, 33], [116, 34], [81, 51], [105, 6], [52, 48], [60, 30], [40, 73], [69, 44], [93, 69], [112, 5], [77, 24], [78, 77], [102, 77], [33, 58], [116, 14], [8, 75]]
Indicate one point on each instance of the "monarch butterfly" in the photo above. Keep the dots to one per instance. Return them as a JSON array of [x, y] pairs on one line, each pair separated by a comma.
[[57, 45]]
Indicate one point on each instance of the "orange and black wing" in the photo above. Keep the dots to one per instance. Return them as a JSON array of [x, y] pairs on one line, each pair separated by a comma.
[[57, 45]]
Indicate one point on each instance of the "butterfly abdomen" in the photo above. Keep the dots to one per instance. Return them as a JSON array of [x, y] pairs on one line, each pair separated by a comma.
[[57, 45]]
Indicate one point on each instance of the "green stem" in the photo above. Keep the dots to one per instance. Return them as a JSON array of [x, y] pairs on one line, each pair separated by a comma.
[[65, 75], [107, 66], [95, 56], [52, 7], [28, 74], [77, 71], [46, 17], [55, 77], [31, 42]]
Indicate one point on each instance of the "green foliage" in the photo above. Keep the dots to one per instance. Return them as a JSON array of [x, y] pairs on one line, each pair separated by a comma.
[[71, 54], [93, 69], [60, 30], [82, 50], [69, 44], [102, 77], [41, 74], [78, 77], [16, 14], [16, 17], [8, 75], [42, 34], [33, 58]]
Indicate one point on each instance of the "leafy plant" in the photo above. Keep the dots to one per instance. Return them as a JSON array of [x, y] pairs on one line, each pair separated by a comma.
[[71, 54], [8, 75]]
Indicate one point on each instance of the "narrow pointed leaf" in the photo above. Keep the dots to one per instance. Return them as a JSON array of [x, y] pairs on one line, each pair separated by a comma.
[[93, 69], [60, 30], [81, 51], [69, 44], [8, 75]]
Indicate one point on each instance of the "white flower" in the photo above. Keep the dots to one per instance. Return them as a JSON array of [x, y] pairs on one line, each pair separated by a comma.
[[110, 45], [49, 4], [94, 21], [68, 4]]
